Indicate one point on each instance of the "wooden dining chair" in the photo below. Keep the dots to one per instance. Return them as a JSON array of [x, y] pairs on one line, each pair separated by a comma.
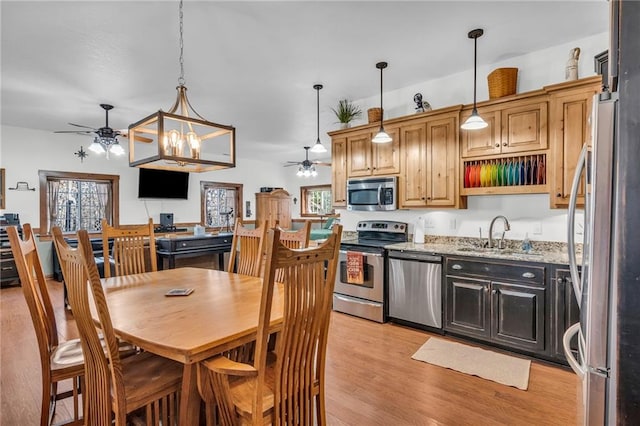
[[128, 250], [247, 249], [58, 360], [294, 240], [144, 384], [291, 389]]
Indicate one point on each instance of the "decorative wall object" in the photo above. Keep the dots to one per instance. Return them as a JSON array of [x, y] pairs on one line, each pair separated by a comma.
[[571, 71], [81, 153]]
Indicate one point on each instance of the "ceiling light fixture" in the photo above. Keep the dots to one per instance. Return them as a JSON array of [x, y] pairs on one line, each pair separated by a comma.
[[181, 139], [318, 147], [106, 141], [306, 168], [474, 121], [381, 136]]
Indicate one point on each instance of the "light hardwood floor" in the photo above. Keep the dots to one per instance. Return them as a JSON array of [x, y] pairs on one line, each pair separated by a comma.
[[371, 378]]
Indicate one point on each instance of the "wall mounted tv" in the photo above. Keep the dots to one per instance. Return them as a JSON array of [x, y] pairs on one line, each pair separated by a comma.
[[163, 184]]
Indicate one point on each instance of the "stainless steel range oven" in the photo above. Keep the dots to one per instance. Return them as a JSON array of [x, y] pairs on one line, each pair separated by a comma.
[[366, 297]]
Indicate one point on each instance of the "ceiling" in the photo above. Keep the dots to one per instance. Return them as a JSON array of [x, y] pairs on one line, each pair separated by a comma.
[[253, 64]]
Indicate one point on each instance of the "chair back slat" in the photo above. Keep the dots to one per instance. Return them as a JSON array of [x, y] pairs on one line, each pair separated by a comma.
[[247, 249], [308, 277], [104, 388], [129, 248]]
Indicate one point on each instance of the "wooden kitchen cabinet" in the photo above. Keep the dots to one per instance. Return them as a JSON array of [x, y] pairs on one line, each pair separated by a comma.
[[502, 303], [513, 127], [429, 159], [571, 106], [365, 158], [339, 172], [274, 207]]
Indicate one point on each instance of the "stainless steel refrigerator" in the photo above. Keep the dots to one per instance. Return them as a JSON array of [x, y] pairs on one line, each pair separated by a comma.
[[593, 284], [608, 288]]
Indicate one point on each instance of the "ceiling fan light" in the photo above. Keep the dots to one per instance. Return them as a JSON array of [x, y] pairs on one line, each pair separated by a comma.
[[97, 147], [116, 149], [381, 137], [474, 122], [318, 147]]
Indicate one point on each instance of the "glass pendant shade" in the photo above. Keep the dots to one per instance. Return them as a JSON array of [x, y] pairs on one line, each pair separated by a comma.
[[381, 137], [318, 148], [474, 122]]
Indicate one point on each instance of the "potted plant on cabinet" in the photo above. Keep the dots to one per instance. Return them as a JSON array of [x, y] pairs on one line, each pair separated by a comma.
[[346, 112]]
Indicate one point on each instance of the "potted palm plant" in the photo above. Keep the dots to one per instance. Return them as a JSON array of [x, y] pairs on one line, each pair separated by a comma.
[[346, 112]]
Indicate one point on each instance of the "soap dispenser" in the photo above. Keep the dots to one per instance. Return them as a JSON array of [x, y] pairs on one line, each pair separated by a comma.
[[526, 244], [418, 231]]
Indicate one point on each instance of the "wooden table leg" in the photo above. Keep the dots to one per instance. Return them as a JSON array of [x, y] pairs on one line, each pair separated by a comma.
[[190, 397]]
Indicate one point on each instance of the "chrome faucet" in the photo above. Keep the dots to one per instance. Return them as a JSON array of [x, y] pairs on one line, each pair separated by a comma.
[[506, 228]]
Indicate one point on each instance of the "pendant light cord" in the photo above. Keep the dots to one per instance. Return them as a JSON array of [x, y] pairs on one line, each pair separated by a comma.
[[475, 67], [181, 80], [318, 113], [381, 111]]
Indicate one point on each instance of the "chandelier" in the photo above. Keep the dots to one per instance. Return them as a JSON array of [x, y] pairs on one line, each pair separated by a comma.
[[181, 139]]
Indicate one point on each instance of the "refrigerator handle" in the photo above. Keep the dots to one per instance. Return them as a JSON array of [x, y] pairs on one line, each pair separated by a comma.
[[566, 340], [571, 218]]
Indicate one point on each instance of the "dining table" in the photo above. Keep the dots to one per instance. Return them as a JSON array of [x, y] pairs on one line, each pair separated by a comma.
[[220, 313]]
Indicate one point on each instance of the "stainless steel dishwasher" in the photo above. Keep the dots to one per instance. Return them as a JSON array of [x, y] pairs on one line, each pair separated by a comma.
[[415, 288]]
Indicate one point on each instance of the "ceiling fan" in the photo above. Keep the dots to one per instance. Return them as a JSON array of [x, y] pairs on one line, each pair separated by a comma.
[[306, 167], [105, 133]]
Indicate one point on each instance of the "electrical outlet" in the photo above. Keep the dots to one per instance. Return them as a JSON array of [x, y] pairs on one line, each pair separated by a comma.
[[537, 228], [428, 223], [452, 223]]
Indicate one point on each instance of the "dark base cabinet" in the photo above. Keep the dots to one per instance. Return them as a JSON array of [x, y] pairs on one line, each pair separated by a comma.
[[502, 303], [565, 312], [467, 309], [517, 316]]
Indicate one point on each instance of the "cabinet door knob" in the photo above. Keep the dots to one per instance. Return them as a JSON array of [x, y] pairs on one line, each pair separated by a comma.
[[528, 275], [456, 266], [494, 291], [559, 195], [497, 145], [504, 144], [428, 198], [560, 280]]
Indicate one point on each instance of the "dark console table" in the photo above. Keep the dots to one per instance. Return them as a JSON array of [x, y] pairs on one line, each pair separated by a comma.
[[192, 246]]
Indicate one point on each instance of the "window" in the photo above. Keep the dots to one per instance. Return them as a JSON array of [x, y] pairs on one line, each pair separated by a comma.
[[75, 201], [221, 204], [316, 200]]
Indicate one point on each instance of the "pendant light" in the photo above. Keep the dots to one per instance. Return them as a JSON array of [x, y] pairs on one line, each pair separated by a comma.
[[318, 147], [181, 139], [474, 121], [381, 136]]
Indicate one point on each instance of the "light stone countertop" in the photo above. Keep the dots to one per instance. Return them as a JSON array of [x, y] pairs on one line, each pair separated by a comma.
[[542, 252], [542, 256]]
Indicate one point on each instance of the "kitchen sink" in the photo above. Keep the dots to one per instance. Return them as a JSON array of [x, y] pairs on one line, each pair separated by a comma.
[[496, 251]]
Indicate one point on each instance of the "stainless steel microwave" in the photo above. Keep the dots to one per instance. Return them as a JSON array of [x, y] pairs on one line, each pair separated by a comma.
[[372, 194]]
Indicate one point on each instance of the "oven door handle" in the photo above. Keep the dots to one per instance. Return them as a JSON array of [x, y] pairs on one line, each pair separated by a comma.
[[362, 253]]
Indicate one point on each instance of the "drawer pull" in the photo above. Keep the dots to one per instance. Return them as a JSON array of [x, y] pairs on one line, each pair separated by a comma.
[[7, 268], [528, 275], [456, 266]]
